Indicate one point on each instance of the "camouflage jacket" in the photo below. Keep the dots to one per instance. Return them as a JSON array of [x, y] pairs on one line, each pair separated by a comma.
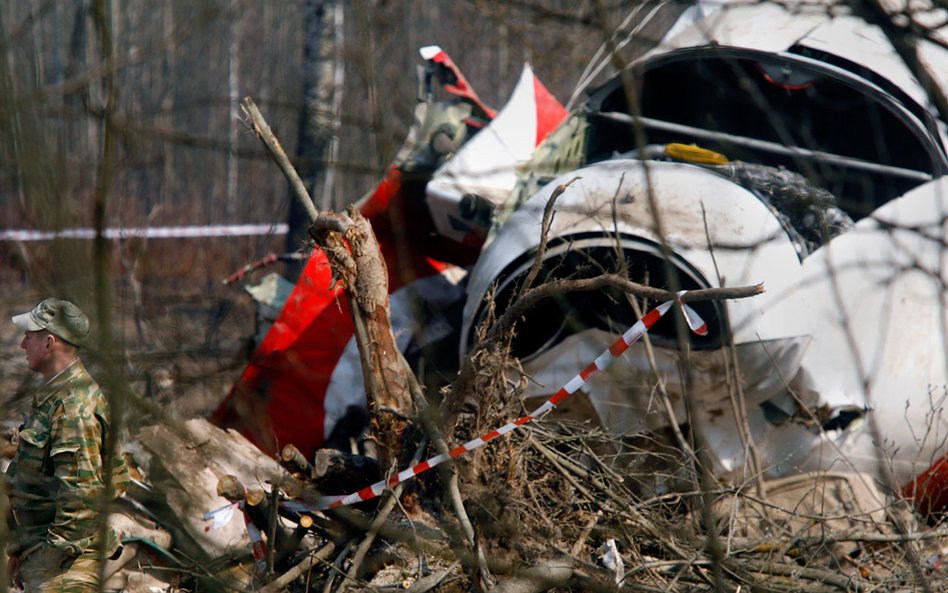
[[56, 480]]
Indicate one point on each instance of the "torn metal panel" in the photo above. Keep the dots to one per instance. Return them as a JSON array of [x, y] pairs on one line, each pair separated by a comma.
[[712, 225], [874, 308], [626, 396], [269, 295], [747, 243], [799, 87], [880, 331]]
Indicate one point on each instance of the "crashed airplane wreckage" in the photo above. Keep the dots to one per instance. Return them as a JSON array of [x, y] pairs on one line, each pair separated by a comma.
[[765, 145], [756, 152]]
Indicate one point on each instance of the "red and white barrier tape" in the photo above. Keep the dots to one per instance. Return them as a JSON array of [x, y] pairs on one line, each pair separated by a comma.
[[632, 335], [257, 545], [168, 232], [222, 516]]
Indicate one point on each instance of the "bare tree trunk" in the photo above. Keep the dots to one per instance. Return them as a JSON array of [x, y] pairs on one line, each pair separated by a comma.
[[315, 121], [233, 85], [328, 200]]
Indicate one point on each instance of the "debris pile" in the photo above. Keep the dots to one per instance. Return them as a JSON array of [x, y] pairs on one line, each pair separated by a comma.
[[562, 505]]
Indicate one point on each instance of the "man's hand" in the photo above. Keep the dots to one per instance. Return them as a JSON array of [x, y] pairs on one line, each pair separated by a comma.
[[13, 569]]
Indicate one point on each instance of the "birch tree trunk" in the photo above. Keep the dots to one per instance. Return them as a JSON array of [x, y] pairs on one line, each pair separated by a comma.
[[315, 130]]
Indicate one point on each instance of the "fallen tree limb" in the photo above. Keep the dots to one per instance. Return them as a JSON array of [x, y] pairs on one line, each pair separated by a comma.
[[292, 574], [865, 537], [829, 577], [543, 577]]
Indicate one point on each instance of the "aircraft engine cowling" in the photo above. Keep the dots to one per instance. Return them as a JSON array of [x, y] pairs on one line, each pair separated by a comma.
[[717, 231]]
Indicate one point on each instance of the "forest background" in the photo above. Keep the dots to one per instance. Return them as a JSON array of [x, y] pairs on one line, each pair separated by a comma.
[[126, 115]]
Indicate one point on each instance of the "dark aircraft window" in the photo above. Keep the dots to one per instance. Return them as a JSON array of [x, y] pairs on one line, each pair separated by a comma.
[[776, 103]]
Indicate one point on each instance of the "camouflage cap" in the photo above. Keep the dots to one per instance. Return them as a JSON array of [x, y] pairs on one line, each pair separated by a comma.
[[60, 318]]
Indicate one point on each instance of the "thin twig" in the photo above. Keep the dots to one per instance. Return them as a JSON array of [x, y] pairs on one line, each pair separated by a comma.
[[290, 575], [545, 234], [272, 144], [557, 287]]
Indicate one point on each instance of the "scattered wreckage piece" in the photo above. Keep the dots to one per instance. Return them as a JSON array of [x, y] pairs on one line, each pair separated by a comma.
[[146, 562], [465, 190], [608, 209], [878, 360], [289, 392], [806, 509]]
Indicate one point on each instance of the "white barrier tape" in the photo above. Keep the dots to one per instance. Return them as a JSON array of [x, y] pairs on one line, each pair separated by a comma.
[[220, 517], [632, 335], [168, 232]]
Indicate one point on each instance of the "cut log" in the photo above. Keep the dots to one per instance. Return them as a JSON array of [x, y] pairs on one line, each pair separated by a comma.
[[184, 463], [296, 461], [233, 490]]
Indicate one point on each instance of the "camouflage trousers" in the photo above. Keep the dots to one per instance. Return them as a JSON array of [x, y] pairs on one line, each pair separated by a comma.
[[48, 570]]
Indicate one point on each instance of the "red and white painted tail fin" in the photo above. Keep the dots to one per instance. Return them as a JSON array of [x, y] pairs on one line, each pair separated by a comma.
[[479, 177]]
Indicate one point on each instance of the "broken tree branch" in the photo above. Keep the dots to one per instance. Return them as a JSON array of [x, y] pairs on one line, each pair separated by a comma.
[[295, 458], [231, 488], [353, 253], [356, 259], [561, 286], [259, 125], [544, 234]]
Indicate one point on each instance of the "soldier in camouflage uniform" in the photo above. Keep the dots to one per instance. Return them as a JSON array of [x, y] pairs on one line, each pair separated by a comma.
[[57, 480]]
